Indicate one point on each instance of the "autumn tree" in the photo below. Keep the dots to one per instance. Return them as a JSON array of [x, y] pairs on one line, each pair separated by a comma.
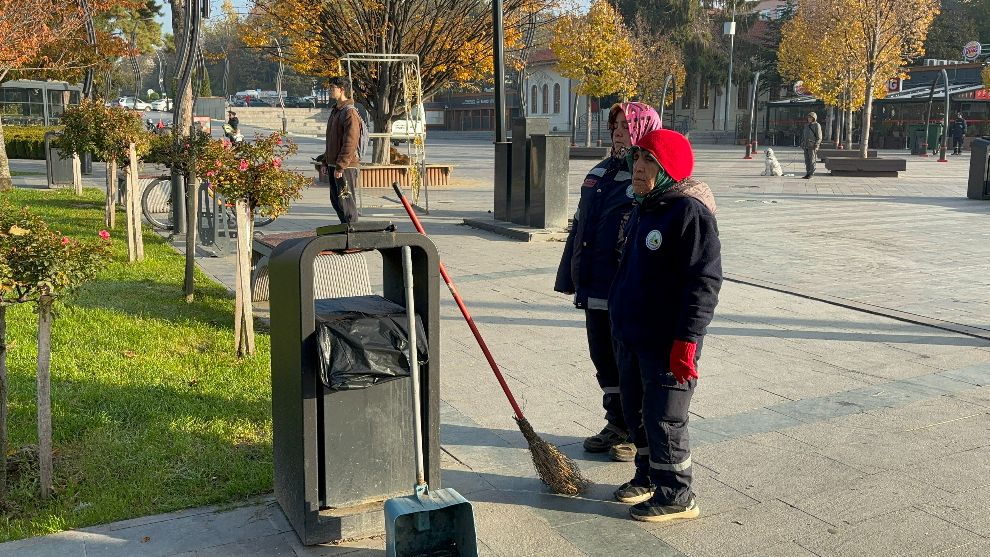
[[819, 57], [654, 58], [883, 36], [453, 39], [596, 50]]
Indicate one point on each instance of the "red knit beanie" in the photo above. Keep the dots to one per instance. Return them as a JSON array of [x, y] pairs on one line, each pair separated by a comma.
[[672, 150]]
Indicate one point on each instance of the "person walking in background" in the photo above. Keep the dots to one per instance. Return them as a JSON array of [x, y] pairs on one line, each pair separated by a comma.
[[341, 159], [661, 302], [811, 139], [957, 129], [589, 262]]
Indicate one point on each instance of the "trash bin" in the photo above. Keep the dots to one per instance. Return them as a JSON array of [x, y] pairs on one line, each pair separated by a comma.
[[979, 169], [340, 453], [61, 172]]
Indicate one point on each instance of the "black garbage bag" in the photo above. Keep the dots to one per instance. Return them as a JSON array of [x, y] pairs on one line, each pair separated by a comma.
[[362, 341]]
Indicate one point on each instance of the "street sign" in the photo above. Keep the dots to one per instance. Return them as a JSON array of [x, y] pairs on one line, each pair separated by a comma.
[[894, 85], [972, 50]]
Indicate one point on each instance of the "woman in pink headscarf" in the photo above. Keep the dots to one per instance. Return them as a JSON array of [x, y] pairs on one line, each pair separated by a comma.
[[589, 263]]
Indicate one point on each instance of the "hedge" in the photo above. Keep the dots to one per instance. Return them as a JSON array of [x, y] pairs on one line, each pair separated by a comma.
[[26, 142]]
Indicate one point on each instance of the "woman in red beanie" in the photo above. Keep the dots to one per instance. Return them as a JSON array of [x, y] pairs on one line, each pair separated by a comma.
[[661, 302], [588, 263]]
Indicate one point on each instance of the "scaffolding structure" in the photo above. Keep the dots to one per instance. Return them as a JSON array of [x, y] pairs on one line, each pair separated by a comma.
[[412, 97]]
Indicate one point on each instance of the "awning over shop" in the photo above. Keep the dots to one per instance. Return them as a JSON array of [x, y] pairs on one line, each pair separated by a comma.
[[957, 92]]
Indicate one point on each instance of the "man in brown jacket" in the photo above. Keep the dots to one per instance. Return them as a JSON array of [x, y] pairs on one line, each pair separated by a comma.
[[342, 157]]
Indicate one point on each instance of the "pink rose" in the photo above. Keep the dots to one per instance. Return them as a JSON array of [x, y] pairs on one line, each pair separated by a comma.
[[277, 163], [104, 234], [211, 173], [65, 240], [279, 140], [244, 165], [219, 164], [227, 144]]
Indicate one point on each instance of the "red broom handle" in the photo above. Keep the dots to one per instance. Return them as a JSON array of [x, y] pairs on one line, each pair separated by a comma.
[[463, 308]]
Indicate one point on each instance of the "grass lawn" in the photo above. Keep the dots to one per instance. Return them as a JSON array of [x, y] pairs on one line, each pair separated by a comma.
[[151, 410]]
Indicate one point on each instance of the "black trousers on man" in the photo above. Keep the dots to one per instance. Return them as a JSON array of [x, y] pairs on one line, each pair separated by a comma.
[[606, 371], [654, 401], [343, 194], [957, 144], [810, 161]]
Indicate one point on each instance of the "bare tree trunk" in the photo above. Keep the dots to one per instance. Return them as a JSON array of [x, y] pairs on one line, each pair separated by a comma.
[[849, 128], [77, 173], [574, 120], [192, 210], [45, 395], [587, 140], [4, 394], [110, 217], [184, 128], [243, 310], [5, 182], [864, 131], [129, 216], [135, 200], [829, 121]]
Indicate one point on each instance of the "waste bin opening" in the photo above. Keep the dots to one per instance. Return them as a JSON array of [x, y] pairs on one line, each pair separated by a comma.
[[362, 341]]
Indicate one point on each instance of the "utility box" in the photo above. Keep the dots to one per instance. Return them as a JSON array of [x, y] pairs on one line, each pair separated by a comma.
[[339, 454], [979, 169], [61, 172]]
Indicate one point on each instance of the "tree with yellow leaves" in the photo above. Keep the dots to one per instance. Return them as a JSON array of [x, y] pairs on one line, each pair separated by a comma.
[[886, 36], [655, 56], [453, 39], [876, 38], [596, 50]]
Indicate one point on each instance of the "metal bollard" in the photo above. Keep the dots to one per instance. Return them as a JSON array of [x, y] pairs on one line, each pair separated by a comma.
[[749, 152], [941, 154]]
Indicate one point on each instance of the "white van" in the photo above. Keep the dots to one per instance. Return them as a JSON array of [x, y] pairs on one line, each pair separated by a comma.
[[409, 126]]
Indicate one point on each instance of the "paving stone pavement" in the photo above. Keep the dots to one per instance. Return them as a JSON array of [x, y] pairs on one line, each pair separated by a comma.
[[816, 429]]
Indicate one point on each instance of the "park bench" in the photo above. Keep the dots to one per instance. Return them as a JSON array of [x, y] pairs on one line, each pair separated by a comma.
[[382, 175], [336, 275], [860, 167], [824, 154], [593, 153]]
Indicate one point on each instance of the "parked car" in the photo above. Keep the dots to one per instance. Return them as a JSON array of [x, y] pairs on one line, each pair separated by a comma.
[[162, 105], [407, 129], [299, 102], [133, 103]]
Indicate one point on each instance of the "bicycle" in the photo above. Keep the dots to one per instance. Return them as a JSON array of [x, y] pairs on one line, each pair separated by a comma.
[[156, 205]]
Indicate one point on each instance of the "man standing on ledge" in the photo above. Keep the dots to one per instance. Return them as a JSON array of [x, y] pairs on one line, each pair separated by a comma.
[[810, 140], [341, 158]]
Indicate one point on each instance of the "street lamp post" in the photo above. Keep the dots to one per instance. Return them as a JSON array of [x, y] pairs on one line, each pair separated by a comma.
[[729, 29]]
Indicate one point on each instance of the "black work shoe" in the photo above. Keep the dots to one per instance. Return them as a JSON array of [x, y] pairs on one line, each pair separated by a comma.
[[654, 511], [806, 177], [605, 440], [630, 492], [623, 452]]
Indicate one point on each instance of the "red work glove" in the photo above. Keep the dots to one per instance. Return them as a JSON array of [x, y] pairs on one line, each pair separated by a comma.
[[682, 361]]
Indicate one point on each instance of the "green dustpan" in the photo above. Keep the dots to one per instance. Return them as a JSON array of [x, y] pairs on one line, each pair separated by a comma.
[[427, 523]]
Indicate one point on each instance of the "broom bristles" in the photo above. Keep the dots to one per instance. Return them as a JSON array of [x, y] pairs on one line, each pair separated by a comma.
[[556, 469]]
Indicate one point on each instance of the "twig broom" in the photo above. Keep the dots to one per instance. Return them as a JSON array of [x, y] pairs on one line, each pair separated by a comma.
[[555, 468]]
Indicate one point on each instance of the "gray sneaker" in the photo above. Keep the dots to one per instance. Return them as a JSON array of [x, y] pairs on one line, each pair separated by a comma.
[[604, 441], [630, 492]]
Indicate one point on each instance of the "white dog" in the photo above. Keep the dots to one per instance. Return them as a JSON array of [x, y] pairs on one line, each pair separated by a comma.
[[772, 167]]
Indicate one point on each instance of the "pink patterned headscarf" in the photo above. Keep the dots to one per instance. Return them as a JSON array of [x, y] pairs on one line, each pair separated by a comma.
[[642, 119]]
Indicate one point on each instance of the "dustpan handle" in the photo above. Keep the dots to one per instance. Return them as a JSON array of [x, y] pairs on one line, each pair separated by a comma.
[[407, 271]]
